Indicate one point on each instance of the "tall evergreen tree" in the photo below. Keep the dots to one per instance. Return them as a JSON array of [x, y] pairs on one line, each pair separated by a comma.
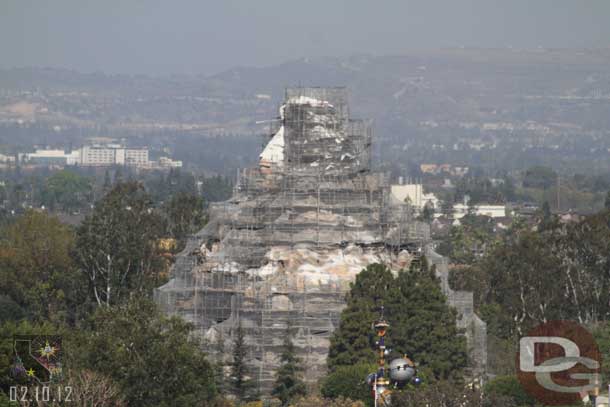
[[240, 383], [546, 221], [288, 384], [422, 325], [428, 213], [107, 182], [354, 341]]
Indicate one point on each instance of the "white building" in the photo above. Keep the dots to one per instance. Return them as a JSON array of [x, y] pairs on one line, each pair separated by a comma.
[[99, 156], [493, 211], [166, 162], [51, 157], [7, 158], [113, 154], [136, 157], [414, 194]]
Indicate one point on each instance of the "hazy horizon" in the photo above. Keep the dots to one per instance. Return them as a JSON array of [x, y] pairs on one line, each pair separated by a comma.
[[191, 37]]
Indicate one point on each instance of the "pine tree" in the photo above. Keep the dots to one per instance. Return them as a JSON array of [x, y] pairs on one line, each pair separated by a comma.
[[427, 213], [607, 201], [107, 182], [546, 221], [422, 325], [288, 384], [240, 383], [118, 175], [354, 341]]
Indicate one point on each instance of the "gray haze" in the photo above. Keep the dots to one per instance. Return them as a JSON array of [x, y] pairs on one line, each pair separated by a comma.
[[202, 36]]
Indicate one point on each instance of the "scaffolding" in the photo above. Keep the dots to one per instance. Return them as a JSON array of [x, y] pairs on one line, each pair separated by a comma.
[[323, 197]]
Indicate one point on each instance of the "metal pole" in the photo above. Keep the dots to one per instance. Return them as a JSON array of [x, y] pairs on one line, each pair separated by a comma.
[[375, 391]]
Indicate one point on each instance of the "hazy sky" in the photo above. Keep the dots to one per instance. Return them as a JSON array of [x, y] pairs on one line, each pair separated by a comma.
[[204, 36]]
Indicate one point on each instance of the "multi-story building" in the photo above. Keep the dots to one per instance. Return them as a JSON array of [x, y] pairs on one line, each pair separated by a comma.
[[136, 157], [51, 157], [99, 156], [113, 154]]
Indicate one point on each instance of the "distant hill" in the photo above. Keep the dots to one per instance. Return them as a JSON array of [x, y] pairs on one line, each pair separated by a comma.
[[454, 98]]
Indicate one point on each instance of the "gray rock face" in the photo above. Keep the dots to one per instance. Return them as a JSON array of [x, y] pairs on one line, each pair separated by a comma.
[[283, 250]]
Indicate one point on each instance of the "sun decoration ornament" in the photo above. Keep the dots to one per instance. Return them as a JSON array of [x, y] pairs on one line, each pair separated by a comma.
[[47, 351]]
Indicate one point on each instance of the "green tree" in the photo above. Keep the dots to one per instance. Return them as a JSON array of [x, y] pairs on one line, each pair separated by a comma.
[[510, 388], [241, 384], [546, 217], [67, 191], [468, 241], [8, 330], [353, 342], [216, 188], [607, 201], [185, 214], [422, 324], [601, 333], [348, 381], [153, 359], [560, 272], [539, 177], [116, 245], [107, 186], [288, 384], [447, 207], [428, 213], [37, 272]]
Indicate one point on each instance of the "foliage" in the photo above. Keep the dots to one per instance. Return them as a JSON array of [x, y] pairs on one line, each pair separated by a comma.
[[93, 389], [152, 358], [185, 215], [115, 245], [539, 177], [353, 342], [215, 189], [162, 186], [510, 388], [314, 401], [67, 191], [601, 333], [37, 273], [9, 309], [422, 324], [428, 213], [482, 190], [241, 385], [288, 384], [448, 394], [8, 330], [468, 241], [560, 272], [348, 381]]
